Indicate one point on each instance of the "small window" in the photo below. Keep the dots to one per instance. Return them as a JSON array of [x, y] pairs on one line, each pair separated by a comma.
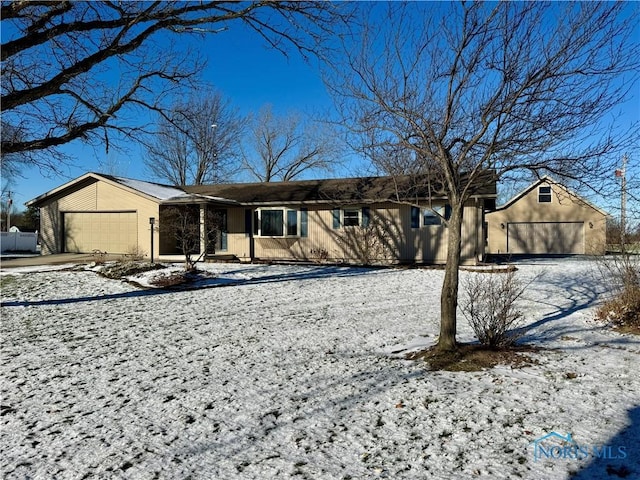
[[434, 216], [544, 194], [415, 217], [351, 218]]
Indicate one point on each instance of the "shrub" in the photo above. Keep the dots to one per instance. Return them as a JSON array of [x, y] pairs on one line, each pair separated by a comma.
[[120, 270], [135, 253], [622, 274], [623, 311], [320, 254], [172, 280], [99, 257], [490, 307]]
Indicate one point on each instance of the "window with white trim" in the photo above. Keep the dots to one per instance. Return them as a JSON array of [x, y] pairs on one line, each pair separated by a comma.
[[434, 216], [351, 217], [279, 222]]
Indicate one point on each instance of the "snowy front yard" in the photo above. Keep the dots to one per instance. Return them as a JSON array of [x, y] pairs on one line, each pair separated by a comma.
[[287, 372]]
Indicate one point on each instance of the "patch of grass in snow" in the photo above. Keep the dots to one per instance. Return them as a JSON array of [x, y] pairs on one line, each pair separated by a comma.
[[7, 281], [474, 358]]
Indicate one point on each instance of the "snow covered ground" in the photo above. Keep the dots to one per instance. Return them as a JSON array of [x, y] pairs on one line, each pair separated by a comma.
[[287, 372]]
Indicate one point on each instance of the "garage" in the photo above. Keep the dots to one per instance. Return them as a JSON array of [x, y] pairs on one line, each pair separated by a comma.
[[547, 218], [113, 232], [545, 238]]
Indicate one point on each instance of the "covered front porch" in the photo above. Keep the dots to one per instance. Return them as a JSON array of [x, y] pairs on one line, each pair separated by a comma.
[[196, 228]]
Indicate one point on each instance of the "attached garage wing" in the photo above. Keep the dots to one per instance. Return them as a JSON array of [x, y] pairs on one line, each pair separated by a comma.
[[545, 238], [113, 232]]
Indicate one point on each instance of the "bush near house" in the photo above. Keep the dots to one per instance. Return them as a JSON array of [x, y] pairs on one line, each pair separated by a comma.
[[490, 307], [622, 310]]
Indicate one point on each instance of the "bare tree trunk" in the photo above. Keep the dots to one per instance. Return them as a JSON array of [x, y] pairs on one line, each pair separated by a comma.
[[449, 296]]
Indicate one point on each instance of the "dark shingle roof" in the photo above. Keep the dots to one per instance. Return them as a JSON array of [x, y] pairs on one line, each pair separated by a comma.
[[340, 190], [332, 191]]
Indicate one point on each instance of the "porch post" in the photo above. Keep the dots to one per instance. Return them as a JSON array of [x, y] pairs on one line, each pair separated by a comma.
[[203, 230]]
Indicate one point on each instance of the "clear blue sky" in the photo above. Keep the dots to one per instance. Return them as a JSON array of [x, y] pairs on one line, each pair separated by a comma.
[[248, 73]]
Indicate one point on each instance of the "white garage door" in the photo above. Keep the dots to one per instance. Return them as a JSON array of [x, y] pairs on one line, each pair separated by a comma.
[[545, 238], [112, 232]]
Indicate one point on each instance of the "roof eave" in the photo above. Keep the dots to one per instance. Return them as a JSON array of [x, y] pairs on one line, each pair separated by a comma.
[[97, 177], [199, 200]]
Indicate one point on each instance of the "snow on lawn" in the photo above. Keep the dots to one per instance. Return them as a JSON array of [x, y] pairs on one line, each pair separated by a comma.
[[287, 372]]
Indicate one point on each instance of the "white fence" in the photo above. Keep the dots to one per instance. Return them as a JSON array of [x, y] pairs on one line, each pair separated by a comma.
[[18, 242]]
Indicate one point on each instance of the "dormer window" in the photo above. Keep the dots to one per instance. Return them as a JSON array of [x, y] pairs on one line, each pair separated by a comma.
[[544, 194]]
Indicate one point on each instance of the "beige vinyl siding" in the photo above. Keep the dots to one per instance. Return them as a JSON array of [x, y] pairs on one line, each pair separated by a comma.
[[237, 237], [84, 199], [389, 239], [470, 229], [51, 236], [430, 241]]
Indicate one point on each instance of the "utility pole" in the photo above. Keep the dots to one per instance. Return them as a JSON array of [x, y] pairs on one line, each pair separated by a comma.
[[9, 205], [622, 173]]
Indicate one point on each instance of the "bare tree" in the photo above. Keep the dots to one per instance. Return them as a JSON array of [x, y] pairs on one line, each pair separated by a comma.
[[491, 307], [466, 89], [59, 59], [197, 142], [284, 148]]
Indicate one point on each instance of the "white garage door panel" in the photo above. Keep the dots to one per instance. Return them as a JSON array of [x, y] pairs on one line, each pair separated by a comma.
[[113, 232], [546, 238]]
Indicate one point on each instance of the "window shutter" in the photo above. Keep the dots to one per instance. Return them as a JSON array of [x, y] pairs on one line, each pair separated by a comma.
[[223, 230], [247, 222], [304, 222], [336, 218], [447, 211], [292, 223], [366, 214], [415, 217], [256, 222]]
